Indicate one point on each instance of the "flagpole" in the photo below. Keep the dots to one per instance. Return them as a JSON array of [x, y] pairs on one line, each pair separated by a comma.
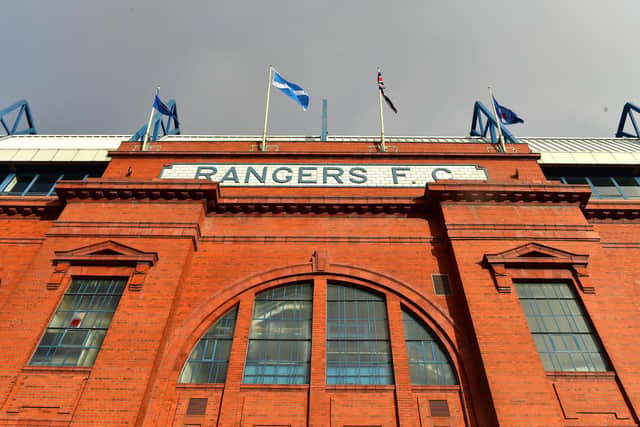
[[145, 140], [263, 145], [498, 122], [383, 148]]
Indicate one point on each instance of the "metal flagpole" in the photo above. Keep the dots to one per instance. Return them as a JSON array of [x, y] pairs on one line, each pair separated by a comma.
[[498, 122], [145, 141], [383, 148], [263, 146]]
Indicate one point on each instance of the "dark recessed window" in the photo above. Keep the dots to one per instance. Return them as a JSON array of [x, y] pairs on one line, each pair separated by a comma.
[[40, 180], [79, 325], [562, 332]]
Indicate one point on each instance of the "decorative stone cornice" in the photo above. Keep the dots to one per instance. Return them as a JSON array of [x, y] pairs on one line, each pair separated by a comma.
[[30, 207], [209, 192], [600, 210], [166, 189], [457, 191], [318, 208]]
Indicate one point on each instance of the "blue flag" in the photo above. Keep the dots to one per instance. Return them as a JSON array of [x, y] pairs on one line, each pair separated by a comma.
[[507, 116], [163, 109], [290, 89]]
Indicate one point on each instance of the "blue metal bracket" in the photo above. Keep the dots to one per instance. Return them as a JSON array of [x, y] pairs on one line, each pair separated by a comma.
[[23, 110], [323, 133], [161, 125], [628, 112], [484, 123]]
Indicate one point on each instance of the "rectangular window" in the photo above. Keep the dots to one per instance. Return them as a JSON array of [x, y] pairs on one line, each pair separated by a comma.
[[79, 325], [563, 335]]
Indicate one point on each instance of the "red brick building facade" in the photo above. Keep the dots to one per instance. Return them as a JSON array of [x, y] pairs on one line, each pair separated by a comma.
[[523, 290]]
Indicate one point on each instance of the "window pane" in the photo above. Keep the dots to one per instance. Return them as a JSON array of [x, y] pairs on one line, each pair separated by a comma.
[[630, 186], [561, 330], [357, 337], [605, 187], [279, 348], [19, 183], [209, 358], [575, 180], [79, 325], [43, 184], [428, 362]]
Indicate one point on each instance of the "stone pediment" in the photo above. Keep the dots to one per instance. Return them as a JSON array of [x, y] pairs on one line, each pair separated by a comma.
[[107, 252], [538, 257], [537, 254]]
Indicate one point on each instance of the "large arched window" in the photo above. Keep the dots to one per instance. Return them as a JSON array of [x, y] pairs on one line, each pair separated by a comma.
[[280, 336], [357, 337], [428, 363], [356, 333], [209, 359]]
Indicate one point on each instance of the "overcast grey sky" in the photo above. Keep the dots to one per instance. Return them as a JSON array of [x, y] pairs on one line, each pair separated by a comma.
[[565, 66]]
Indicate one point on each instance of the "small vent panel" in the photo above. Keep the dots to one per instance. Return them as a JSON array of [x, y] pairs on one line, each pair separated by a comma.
[[439, 408], [197, 406], [441, 284]]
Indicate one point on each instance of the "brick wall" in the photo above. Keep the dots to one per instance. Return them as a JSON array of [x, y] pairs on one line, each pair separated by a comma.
[[211, 259]]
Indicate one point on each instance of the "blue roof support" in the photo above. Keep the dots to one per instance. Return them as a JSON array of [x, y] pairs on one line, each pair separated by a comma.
[[323, 133], [23, 111], [628, 113], [161, 125], [484, 125]]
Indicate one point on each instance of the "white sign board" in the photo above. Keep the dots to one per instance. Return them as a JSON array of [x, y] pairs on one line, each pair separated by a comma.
[[322, 175]]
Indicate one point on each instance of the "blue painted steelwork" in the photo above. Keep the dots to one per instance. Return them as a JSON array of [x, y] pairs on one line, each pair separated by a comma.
[[628, 112], [165, 124], [323, 135], [22, 107], [481, 127]]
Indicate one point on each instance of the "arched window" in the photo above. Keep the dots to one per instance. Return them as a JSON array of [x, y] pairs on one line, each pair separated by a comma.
[[209, 359], [428, 363], [356, 332], [280, 336], [357, 337]]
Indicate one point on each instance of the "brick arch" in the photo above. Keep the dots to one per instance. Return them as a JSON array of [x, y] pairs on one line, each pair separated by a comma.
[[187, 334]]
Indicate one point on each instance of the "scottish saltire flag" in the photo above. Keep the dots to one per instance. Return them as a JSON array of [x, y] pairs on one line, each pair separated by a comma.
[[162, 108], [507, 116], [386, 98], [290, 89]]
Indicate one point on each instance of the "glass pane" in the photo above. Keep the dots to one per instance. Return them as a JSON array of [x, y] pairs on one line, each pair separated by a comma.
[[428, 363], [630, 186], [561, 331], [209, 358], [279, 347], [43, 184], [357, 337], [19, 183], [80, 323], [605, 187], [575, 180]]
